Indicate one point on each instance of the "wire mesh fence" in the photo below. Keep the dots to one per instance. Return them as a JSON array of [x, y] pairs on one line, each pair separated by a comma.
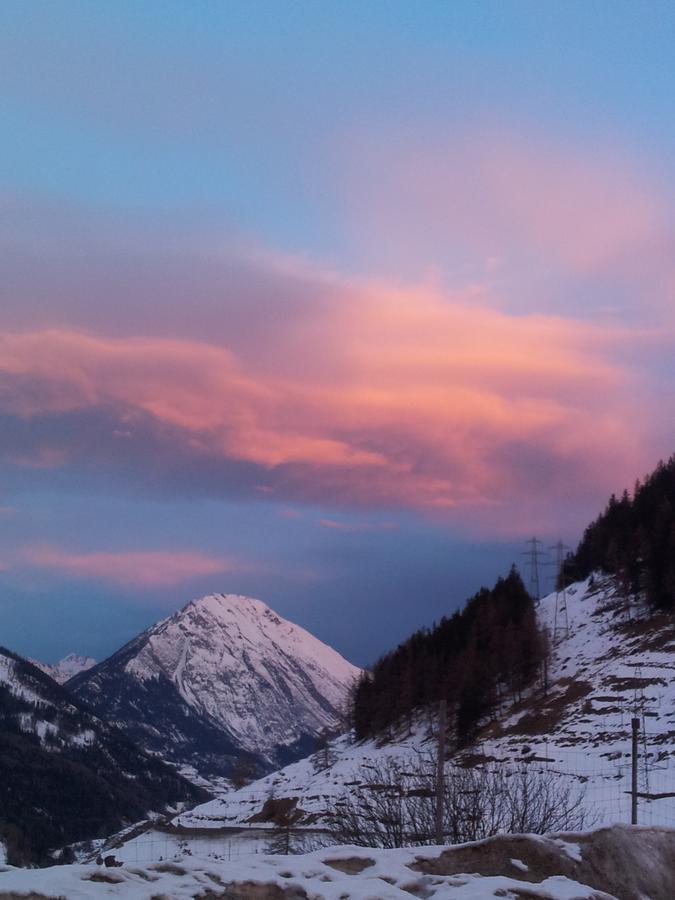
[[601, 778]]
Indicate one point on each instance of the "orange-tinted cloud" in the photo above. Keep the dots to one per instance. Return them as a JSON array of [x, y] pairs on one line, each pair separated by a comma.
[[405, 396], [159, 568]]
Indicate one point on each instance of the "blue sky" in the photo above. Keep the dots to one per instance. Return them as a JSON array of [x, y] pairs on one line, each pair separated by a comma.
[[335, 304]]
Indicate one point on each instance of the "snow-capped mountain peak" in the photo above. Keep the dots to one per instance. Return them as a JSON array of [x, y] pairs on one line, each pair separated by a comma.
[[255, 673], [264, 684], [66, 668]]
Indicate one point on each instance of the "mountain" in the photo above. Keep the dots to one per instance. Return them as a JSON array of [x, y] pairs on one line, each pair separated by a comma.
[[66, 668], [223, 676], [609, 663], [67, 775]]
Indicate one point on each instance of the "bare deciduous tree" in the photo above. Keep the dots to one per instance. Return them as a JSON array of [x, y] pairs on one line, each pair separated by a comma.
[[394, 804]]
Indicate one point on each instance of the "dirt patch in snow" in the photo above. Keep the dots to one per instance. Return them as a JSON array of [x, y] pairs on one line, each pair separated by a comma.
[[631, 684], [253, 890], [546, 714], [32, 896], [655, 632], [471, 760], [169, 868], [353, 865], [629, 863], [280, 811]]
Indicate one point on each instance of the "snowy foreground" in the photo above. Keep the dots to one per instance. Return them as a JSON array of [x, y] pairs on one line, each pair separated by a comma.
[[621, 862]]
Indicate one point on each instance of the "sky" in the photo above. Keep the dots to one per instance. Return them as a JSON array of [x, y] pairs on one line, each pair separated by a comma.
[[333, 304]]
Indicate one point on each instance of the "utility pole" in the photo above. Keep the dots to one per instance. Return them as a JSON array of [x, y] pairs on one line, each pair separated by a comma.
[[641, 711], [440, 769], [534, 554], [635, 725]]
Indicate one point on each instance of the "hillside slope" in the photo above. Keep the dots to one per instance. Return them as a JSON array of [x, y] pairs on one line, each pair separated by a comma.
[[604, 670], [66, 774], [223, 675]]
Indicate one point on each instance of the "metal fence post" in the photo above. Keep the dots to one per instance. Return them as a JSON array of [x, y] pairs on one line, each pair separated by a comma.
[[635, 725]]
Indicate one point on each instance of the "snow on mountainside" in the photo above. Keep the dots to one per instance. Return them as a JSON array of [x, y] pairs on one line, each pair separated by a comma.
[[66, 774], [605, 670], [222, 675], [66, 668]]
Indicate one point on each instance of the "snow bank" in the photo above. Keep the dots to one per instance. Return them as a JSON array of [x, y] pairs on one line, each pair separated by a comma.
[[620, 862]]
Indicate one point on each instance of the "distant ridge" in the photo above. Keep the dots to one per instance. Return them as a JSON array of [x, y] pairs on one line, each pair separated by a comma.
[[66, 774], [65, 668]]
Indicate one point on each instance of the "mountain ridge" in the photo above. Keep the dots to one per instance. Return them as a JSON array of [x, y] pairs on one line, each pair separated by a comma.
[[65, 669], [222, 676], [68, 775]]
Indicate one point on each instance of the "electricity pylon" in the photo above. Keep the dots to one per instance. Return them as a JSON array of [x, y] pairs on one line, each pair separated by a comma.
[[534, 554], [561, 622]]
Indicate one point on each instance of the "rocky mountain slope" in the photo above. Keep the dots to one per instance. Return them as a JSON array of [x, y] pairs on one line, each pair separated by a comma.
[[67, 775], [65, 668], [223, 675], [610, 662]]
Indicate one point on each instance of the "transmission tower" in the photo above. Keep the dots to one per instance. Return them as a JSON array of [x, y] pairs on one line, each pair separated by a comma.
[[561, 622], [534, 554]]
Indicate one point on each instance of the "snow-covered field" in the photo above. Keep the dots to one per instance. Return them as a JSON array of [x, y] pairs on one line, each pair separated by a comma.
[[559, 867]]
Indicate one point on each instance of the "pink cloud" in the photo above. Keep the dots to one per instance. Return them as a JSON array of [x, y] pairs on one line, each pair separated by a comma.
[[533, 213], [426, 390], [393, 395], [41, 458], [160, 568], [289, 512], [339, 525], [587, 209]]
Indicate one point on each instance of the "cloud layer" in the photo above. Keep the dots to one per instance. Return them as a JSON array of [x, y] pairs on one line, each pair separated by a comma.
[[407, 397], [199, 361], [145, 569]]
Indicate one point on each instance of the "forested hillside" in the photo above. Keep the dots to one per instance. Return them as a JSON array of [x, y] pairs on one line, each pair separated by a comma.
[[491, 649], [634, 539], [67, 775]]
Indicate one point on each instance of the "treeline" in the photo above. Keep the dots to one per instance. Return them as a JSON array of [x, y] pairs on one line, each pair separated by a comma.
[[487, 652], [634, 539]]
